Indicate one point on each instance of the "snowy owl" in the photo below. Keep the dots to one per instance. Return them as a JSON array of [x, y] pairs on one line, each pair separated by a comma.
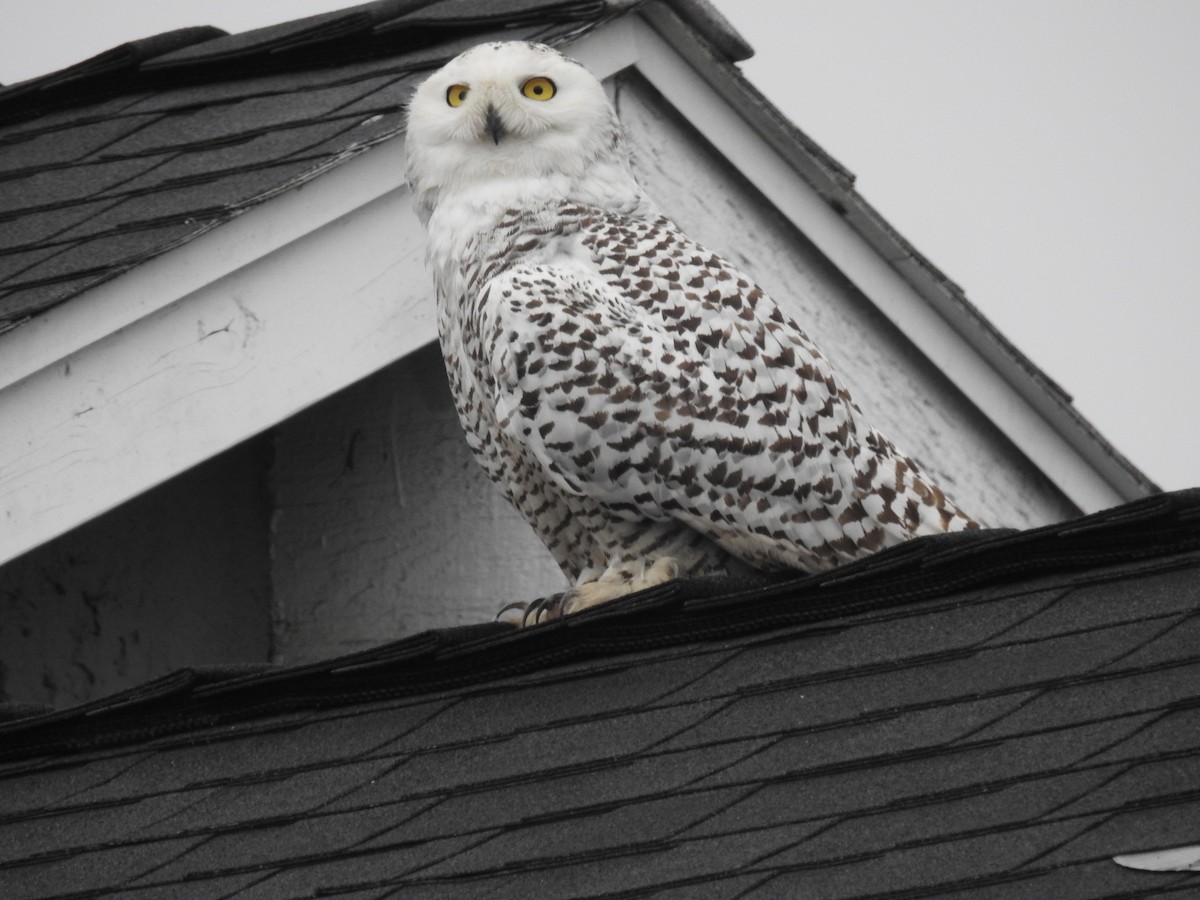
[[645, 405]]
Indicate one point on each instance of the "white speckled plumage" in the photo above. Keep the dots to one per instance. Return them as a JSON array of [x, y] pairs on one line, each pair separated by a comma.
[[646, 406]]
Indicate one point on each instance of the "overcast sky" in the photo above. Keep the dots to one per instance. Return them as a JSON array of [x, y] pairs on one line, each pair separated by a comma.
[[1042, 153]]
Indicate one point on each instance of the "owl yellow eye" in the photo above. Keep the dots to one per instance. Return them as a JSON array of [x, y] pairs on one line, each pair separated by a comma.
[[538, 88], [457, 95]]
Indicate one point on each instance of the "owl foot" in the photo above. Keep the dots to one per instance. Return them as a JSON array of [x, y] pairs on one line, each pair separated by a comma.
[[617, 581], [531, 612]]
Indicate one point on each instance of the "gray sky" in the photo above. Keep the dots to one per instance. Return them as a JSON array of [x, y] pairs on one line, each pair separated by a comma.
[[1042, 153]]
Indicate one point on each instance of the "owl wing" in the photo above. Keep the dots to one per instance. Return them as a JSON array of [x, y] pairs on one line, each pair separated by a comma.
[[717, 412]]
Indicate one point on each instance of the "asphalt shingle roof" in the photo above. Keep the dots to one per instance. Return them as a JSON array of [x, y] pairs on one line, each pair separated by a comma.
[[989, 717], [994, 716], [124, 156]]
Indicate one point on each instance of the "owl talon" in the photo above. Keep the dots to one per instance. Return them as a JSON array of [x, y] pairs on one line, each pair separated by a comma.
[[544, 609], [520, 606], [617, 581], [533, 612]]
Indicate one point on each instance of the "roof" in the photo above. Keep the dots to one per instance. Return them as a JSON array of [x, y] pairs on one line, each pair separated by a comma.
[[996, 715], [124, 156]]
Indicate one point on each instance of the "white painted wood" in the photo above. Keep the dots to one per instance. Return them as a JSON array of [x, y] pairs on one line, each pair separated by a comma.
[[239, 354]]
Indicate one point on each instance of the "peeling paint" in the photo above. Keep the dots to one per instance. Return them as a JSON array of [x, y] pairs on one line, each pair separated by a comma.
[[252, 322]]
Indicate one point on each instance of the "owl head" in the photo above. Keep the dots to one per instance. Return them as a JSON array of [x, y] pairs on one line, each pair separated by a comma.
[[509, 116]]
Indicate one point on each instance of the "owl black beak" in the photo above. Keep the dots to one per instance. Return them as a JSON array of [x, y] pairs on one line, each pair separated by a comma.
[[494, 125]]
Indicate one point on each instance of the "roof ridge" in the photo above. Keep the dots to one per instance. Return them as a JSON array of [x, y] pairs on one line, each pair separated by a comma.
[[98, 76], [675, 613], [122, 56], [205, 54]]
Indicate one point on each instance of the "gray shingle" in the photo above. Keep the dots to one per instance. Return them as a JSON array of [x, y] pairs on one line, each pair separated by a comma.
[[213, 125], [68, 188], [52, 150], [100, 871], [36, 234]]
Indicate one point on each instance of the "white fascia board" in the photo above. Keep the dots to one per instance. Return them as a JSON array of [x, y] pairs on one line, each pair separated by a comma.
[[1040, 424], [208, 345]]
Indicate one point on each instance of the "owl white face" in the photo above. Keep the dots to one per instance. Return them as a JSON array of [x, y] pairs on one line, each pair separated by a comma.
[[507, 110]]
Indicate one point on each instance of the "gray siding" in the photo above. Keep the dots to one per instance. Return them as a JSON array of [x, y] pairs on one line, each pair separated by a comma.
[[176, 577], [385, 525]]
